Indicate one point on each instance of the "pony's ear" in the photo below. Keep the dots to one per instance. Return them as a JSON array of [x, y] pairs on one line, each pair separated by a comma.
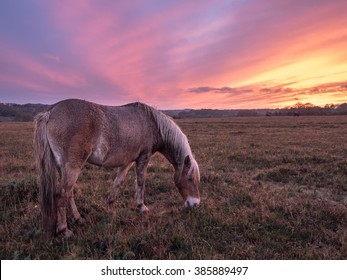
[[187, 164], [183, 170]]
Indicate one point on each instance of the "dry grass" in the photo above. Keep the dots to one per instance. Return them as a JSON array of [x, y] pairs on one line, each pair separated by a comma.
[[272, 188]]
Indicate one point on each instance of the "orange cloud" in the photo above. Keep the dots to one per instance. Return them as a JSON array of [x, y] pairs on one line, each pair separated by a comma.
[[280, 94]]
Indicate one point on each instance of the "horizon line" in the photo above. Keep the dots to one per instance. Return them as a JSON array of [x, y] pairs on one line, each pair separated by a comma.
[[183, 109]]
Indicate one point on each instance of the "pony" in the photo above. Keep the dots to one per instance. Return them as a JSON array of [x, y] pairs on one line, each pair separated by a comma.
[[73, 132]]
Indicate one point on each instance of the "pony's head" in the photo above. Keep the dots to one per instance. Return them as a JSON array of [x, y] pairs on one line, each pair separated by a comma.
[[187, 180]]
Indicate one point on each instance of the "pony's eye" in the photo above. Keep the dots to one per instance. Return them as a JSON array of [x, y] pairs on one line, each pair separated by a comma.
[[190, 179]]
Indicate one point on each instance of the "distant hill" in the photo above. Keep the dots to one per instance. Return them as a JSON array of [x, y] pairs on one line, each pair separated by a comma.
[[20, 113], [26, 112]]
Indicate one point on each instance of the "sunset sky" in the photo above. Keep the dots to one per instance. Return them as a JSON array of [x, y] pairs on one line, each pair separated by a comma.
[[174, 54]]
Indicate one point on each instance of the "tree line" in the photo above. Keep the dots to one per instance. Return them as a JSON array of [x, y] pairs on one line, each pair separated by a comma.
[[27, 112], [299, 109], [20, 113]]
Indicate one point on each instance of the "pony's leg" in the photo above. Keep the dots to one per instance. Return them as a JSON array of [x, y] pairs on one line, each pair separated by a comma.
[[64, 195], [77, 216], [121, 173], [141, 167]]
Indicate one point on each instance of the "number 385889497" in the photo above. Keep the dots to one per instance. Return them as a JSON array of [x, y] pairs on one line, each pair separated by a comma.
[[237, 270]]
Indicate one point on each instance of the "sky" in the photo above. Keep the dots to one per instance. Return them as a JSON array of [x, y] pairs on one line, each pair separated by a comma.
[[174, 54]]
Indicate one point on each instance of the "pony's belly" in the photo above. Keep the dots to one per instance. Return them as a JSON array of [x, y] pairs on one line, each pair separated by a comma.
[[111, 159], [99, 154], [93, 159]]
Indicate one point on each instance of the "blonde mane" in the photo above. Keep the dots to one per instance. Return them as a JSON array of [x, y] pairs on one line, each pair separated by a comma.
[[170, 132]]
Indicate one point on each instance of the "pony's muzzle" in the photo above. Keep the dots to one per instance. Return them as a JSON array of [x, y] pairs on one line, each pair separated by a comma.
[[192, 201]]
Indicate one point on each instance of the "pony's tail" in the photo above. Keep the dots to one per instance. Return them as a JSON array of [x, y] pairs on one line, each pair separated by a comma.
[[46, 168]]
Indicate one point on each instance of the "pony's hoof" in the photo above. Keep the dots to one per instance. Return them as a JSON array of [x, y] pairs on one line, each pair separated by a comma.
[[66, 233], [80, 221], [142, 208], [110, 200]]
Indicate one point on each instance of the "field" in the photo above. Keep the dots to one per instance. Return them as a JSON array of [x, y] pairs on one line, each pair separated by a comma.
[[272, 188]]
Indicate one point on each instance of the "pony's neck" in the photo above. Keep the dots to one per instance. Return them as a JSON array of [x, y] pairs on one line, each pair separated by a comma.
[[176, 158], [175, 146]]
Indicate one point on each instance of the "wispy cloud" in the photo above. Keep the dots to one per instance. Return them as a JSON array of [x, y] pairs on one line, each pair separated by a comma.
[[22, 66], [278, 94], [52, 57], [230, 90]]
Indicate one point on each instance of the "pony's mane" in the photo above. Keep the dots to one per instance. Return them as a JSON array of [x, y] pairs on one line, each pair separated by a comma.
[[174, 138], [170, 132]]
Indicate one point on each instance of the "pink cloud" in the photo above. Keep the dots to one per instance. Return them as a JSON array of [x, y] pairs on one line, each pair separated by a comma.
[[141, 54], [25, 71]]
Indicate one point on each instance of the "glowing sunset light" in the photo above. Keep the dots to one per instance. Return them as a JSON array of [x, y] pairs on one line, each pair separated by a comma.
[[174, 54]]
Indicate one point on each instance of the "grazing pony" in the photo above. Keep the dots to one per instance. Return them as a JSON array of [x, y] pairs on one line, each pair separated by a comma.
[[73, 132]]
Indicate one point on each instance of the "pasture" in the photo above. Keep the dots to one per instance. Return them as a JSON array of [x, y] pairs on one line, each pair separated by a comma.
[[271, 188]]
